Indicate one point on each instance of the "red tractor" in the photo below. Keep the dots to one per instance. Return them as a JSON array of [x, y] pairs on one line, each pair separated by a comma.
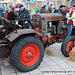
[[26, 46]]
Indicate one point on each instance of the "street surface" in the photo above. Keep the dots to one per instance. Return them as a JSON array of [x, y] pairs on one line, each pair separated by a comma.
[[51, 65]]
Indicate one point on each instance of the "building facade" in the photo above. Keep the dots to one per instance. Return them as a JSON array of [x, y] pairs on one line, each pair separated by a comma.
[[40, 3]]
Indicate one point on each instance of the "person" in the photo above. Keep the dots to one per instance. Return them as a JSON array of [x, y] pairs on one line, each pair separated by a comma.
[[43, 9], [24, 14], [12, 13], [47, 6], [50, 8], [54, 10], [73, 15], [10, 16], [69, 21], [62, 11]]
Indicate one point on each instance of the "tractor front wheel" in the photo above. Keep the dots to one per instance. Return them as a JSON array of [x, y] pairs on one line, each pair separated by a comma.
[[27, 54], [67, 45]]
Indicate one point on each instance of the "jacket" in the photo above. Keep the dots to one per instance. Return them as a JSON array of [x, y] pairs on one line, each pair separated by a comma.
[[69, 15], [73, 18], [50, 9], [54, 11], [64, 15], [43, 10], [24, 15], [11, 16]]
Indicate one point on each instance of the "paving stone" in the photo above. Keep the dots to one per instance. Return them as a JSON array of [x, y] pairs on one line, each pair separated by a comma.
[[72, 64], [44, 69], [46, 59], [64, 66], [60, 61], [22, 73], [5, 67], [8, 71], [10, 74], [42, 65], [54, 58], [36, 71], [49, 73], [55, 67], [39, 74], [50, 63]]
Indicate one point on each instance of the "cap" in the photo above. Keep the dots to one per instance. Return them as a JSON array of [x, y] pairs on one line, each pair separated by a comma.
[[20, 5], [73, 5], [62, 6]]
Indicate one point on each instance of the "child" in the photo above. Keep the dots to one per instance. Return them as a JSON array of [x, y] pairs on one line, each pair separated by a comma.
[[69, 21]]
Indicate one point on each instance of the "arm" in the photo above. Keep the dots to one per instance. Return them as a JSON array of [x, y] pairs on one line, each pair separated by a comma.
[[73, 15]]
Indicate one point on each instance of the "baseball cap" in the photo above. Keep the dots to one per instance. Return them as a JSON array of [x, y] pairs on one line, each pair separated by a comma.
[[20, 5], [62, 6]]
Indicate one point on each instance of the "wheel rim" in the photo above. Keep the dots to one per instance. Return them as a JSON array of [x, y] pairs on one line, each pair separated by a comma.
[[69, 47], [29, 55]]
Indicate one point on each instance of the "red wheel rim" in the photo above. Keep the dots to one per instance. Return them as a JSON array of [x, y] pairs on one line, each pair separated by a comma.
[[69, 47], [29, 55]]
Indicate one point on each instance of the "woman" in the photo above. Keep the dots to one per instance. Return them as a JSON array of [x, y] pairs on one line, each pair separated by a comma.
[[11, 16], [69, 21], [12, 13]]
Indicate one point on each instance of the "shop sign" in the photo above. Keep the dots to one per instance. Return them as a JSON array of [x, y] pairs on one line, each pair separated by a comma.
[[29, 1]]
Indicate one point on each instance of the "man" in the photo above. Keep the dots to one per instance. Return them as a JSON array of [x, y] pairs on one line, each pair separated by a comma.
[[50, 8], [43, 10], [62, 11], [24, 14]]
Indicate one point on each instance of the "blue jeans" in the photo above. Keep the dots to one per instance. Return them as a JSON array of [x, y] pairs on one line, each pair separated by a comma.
[[70, 27]]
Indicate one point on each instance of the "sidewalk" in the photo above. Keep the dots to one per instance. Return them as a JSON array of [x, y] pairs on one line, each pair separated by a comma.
[[51, 65]]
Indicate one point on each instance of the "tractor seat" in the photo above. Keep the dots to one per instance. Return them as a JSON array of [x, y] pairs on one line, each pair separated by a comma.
[[7, 24]]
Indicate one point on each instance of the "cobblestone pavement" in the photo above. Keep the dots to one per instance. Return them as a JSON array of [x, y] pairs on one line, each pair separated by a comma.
[[51, 65]]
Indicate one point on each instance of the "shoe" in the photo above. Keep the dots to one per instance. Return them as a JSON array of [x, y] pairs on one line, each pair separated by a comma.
[[6, 63]]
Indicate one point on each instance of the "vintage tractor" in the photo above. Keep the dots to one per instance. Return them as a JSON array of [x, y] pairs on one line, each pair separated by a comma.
[[26, 46]]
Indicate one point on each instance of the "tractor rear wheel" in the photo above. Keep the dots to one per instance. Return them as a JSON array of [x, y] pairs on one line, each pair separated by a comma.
[[67, 45], [27, 54]]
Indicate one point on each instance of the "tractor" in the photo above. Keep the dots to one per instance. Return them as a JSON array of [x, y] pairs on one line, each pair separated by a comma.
[[26, 46]]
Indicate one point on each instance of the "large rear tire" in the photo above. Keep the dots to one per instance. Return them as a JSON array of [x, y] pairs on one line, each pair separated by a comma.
[[67, 45], [27, 54]]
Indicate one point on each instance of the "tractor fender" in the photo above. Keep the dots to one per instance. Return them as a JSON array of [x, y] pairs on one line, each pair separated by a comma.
[[14, 35]]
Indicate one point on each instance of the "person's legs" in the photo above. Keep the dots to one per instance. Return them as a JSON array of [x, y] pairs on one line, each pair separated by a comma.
[[71, 27], [68, 29]]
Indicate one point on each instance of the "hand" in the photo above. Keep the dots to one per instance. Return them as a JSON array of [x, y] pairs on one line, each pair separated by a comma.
[[70, 12], [20, 26], [66, 16], [25, 22]]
